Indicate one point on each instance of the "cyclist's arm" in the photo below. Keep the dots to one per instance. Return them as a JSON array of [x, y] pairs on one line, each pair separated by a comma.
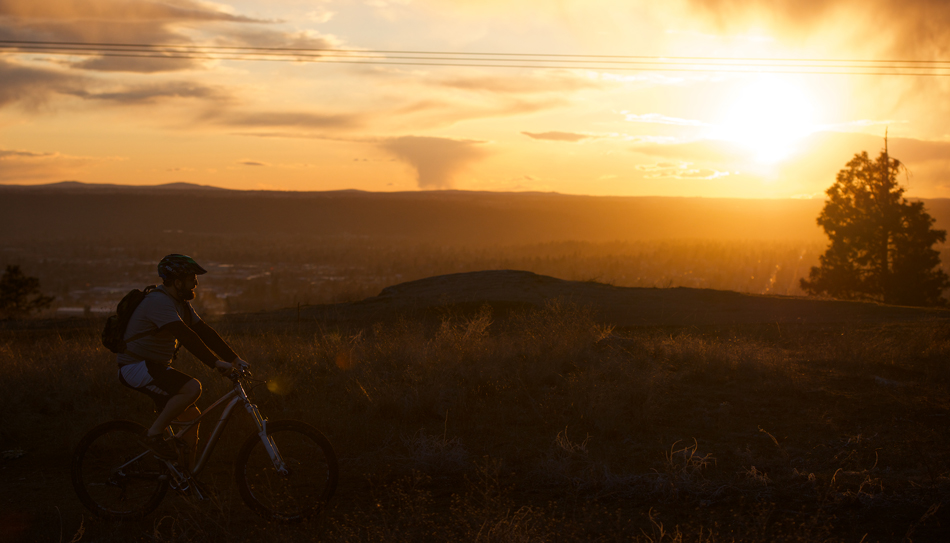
[[192, 342], [214, 341]]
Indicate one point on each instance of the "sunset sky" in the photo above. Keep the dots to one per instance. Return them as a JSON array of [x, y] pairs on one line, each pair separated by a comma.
[[385, 127]]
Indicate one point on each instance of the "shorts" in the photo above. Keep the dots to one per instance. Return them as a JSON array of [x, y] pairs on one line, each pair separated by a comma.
[[155, 380]]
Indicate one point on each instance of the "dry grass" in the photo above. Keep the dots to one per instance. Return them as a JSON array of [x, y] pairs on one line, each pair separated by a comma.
[[543, 425]]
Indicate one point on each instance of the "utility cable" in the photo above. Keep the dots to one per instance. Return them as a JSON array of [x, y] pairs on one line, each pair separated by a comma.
[[643, 63]]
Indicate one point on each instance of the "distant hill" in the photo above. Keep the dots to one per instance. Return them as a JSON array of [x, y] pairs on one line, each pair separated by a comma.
[[620, 306], [438, 216], [73, 186], [441, 216]]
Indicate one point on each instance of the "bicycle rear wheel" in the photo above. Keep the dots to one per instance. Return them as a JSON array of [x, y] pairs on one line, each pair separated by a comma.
[[311, 476], [114, 475]]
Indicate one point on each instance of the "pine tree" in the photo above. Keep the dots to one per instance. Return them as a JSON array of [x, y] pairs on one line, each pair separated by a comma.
[[881, 245], [20, 295]]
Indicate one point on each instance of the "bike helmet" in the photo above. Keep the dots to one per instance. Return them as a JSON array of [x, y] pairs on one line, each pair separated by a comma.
[[177, 265]]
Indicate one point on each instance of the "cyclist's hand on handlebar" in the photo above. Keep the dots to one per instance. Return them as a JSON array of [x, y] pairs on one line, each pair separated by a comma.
[[237, 366], [223, 367]]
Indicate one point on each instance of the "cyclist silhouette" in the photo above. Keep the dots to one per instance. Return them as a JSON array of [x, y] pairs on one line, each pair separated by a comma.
[[161, 323]]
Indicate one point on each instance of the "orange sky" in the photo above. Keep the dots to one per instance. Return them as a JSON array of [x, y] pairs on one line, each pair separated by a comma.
[[595, 130]]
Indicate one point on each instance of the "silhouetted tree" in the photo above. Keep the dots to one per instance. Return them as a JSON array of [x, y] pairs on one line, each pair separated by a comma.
[[881, 245], [20, 295]]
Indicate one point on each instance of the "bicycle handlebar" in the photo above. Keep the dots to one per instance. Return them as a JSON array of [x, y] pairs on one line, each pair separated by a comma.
[[238, 371]]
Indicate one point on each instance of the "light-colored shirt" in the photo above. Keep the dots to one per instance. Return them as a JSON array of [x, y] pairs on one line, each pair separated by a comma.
[[155, 311]]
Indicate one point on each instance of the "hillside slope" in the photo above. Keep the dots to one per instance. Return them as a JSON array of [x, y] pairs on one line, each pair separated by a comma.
[[619, 306]]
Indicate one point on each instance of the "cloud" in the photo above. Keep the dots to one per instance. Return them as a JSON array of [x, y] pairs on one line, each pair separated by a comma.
[[668, 170], [136, 64], [119, 10], [435, 113], [228, 37], [151, 93], [32, 87], [825, 153], [715, 151], [6, 154], [920, 27], [283, 119], [262, 36], [18, 165], [436, 160], [321, 15], [252, 163], [821, 151], [116, 21], [521, 84], [915, 151], [557, 136]]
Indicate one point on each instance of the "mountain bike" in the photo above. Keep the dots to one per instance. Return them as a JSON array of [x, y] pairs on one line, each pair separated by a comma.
[[286, 471]]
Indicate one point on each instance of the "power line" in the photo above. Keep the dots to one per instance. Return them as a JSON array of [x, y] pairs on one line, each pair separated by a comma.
[[473, 57], [473, 65], [330, 49], [642, 63]]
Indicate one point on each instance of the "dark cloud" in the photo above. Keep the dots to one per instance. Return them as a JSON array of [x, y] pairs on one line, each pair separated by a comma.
[[251, 163], [284, 119], [114, 21], [118, 10], [30, 86], [557, 136], [919, 27], [152, 93], [8, 154], [797, 12], [259, 36], [436, 160], [136, 64]]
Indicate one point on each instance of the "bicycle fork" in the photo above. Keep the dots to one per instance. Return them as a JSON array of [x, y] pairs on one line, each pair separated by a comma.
[[267, 440]]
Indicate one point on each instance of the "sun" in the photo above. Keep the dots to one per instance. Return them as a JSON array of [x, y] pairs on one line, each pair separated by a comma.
[[767, 117]]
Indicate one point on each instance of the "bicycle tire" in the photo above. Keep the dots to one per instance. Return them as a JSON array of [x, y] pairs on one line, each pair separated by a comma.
[[114, 475], [308, 487]]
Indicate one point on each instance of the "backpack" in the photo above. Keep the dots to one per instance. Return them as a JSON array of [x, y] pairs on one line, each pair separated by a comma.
[[114, 332]]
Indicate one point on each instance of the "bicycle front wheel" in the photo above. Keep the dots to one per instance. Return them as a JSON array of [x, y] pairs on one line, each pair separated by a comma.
[[114, 475], [306, 484]]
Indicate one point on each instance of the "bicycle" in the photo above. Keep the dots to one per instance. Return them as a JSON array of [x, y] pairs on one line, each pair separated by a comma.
[[287, 471]]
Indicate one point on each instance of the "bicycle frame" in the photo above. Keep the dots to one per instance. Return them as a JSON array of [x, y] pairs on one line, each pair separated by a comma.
[[234, 397]]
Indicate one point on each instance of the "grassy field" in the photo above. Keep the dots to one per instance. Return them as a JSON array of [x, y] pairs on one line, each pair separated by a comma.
[[533, 425]]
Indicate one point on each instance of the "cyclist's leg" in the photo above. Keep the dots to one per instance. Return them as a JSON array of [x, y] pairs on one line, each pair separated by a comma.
[[190, 438], [176, 405]]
